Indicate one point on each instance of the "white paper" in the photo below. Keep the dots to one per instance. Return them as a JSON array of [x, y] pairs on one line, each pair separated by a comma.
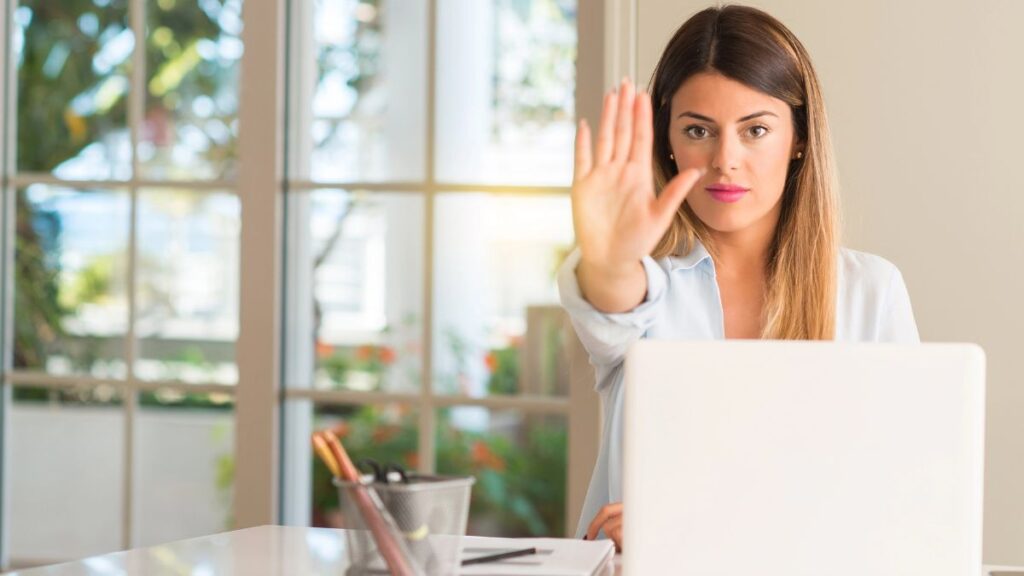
[[555, 557]]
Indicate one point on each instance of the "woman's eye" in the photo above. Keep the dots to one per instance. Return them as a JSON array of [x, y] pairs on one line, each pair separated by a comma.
[[696, 132], [758, 131]]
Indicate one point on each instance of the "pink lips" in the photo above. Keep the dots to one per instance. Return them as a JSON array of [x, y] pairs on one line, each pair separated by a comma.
[[726, 192]]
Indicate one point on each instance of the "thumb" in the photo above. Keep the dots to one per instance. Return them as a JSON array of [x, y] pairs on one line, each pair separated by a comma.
[[667, 203]]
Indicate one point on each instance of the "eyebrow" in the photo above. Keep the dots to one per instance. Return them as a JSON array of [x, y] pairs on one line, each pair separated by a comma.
[[744, 119]]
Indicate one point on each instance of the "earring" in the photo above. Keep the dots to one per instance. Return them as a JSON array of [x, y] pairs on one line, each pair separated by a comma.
[[799, 155], [671, 156]]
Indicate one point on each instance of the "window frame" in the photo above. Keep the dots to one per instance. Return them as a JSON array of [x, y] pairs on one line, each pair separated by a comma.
[[605, 29]]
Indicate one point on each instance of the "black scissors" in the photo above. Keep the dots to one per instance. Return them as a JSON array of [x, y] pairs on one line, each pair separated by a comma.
[[385, 474]]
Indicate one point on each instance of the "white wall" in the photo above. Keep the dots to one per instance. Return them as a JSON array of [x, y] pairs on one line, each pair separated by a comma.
[[925, 102]]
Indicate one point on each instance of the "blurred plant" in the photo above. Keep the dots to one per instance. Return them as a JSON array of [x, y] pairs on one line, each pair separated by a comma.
[[341, 362], [503, 364], [457, 381], [224, 466], [39, 316], [72, 65], [520, 488], [386, 434]]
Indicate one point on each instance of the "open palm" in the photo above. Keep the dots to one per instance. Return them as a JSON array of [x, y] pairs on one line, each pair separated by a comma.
[[617, 217]]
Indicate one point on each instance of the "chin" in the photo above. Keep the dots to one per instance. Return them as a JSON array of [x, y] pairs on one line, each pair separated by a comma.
[[725, 221]]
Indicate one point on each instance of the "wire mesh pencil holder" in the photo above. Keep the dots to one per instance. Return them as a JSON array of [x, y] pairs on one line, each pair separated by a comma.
[[429, 513]]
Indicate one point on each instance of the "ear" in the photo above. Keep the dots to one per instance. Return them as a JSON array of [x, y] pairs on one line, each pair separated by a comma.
[[798, 150]]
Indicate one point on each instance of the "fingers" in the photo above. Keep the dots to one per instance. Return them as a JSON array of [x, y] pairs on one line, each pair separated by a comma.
[[624, 122], [584, 162], [613, 529], [643, 130], [607, 512], [605, 132], [666, 204]]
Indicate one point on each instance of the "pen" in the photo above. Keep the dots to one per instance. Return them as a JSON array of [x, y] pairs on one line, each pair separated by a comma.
[[499, 556]]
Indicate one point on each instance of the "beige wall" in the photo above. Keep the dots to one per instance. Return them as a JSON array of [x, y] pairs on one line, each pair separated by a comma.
[[926, 101]]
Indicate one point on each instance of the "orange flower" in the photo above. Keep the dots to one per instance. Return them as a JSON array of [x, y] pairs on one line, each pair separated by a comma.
[[324, 350], [382, 434], [387, 355], [364, 353], [340, 430], [491, 360], [482, 455], [412, 460]]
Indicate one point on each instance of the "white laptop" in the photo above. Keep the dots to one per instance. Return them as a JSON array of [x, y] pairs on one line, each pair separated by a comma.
[[800, 458]]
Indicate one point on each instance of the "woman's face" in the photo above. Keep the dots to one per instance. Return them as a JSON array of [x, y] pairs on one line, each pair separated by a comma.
[[744, 139]]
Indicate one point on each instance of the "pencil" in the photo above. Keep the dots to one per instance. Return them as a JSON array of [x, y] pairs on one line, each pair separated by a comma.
[[324, 452]]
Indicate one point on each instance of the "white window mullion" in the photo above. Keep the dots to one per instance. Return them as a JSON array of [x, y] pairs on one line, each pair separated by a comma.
[[6, 258], [26, 178], [260, 147], [297, 416], [428, 418], [136, 111]]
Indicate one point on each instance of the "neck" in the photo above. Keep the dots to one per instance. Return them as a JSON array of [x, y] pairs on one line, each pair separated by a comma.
[[745, 252]]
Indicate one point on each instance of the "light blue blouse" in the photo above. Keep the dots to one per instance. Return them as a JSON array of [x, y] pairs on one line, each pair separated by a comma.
[[683, 303]]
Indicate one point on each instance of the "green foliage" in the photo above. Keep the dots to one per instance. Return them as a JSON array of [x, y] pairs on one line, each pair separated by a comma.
[[38, 314], [367, 359], [58, 109], [90, 285], [71, 94], [520, 488], [504, 366], [387, 436], [225, 474]]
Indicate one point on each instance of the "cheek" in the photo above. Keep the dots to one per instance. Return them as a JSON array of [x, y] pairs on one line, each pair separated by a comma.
[[771, 169]]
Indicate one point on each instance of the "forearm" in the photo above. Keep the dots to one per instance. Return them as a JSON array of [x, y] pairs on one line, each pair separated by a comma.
[[612, 290]]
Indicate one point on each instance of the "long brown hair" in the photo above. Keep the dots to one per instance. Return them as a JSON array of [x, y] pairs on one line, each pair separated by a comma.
[[753, 48]]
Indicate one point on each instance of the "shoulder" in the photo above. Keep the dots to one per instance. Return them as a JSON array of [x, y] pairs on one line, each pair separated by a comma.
[[872, 300], [864, 270]]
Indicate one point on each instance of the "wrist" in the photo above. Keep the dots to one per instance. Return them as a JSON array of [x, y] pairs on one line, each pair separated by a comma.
[[608, 270]]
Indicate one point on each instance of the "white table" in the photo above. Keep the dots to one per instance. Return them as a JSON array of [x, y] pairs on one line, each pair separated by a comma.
[[262, 551]]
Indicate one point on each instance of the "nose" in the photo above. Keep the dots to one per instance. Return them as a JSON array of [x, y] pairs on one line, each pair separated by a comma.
[[727, 154]]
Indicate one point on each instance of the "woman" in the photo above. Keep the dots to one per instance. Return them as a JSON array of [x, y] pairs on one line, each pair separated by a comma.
[[734, 232]]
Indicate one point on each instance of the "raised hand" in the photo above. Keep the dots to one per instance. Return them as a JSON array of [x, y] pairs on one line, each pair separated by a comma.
[[617, 217]]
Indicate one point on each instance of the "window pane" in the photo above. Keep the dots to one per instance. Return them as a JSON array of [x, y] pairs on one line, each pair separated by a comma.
[[73, 67], [66, 474], [184, 457], [498, 327], [505, 91], [193, 51], [187, 286], [356, 276], [519, 461], [358, 90], [70, 296]]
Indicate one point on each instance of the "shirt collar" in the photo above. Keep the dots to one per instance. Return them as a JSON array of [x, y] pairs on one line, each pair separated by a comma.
[[696, 255]]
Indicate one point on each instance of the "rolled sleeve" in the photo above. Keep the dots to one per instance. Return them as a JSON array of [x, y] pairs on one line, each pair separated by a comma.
[[606, 337]]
